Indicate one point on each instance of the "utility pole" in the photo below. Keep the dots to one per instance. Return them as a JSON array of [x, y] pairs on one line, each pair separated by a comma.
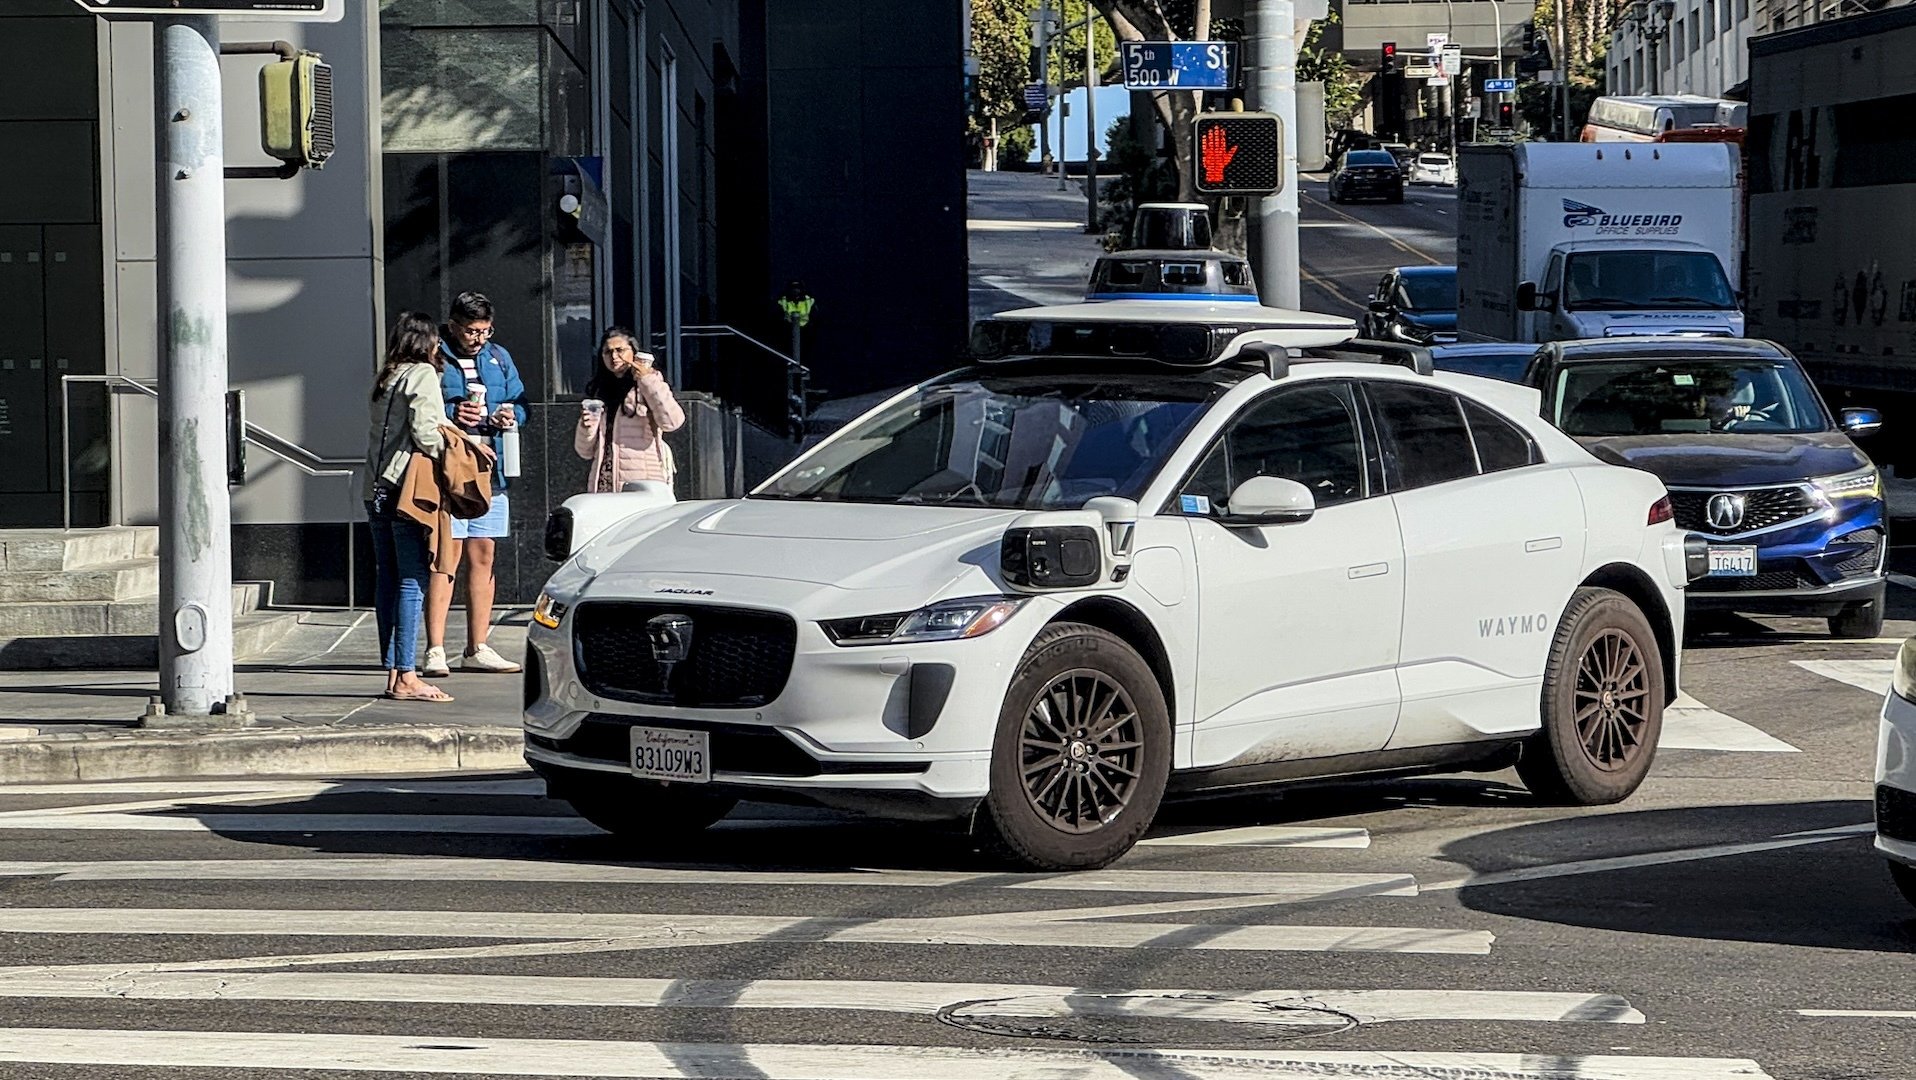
[[1563, 72], [196, 554], [1041, 44], [1275, 88], [1090, 124]]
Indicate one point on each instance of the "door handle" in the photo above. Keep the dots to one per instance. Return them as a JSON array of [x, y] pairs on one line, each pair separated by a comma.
[[1376, 569], [1548, 543]]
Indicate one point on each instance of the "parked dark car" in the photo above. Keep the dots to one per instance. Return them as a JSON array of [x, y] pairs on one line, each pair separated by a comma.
[[1505, 361], [1417, 304], [1755, 463], [1367, 174]]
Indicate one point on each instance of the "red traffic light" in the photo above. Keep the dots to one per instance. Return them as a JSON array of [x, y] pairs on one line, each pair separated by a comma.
[[1239, 153], [1390, 50]]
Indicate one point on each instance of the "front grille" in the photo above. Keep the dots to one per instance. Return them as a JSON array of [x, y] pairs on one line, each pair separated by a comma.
[[1896, 813], [1864, 562], [1766, 581], [736, 748], [738, 659], [1763, 508]]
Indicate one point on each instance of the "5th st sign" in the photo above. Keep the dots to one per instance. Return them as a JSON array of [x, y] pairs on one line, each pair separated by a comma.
[[288, 10]]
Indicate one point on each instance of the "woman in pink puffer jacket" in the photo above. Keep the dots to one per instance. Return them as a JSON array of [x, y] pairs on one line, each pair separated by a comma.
[[627, 410]]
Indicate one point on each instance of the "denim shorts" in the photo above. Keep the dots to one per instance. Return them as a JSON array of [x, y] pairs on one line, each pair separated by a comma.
[[496, 524]]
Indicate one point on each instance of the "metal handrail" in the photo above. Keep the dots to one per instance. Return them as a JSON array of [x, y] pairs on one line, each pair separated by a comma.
[[277, 445], [721, 330]]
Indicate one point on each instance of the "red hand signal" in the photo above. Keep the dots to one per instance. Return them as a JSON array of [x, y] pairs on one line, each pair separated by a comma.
[[1216, 154]]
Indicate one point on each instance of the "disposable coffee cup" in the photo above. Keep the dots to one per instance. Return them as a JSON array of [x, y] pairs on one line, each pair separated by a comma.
[[476, 393], [592, 406]]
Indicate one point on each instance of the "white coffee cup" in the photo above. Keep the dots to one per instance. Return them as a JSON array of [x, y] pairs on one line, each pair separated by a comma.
[[592, 406]]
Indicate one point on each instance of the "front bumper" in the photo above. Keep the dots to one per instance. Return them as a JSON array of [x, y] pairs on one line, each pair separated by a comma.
[[1896, 781], [1813, 568]]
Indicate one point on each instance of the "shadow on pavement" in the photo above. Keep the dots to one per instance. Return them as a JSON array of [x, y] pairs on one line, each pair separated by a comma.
[[1833, 895]]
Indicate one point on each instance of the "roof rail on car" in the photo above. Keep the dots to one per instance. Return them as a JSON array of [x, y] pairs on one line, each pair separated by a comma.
[[1277, 360]]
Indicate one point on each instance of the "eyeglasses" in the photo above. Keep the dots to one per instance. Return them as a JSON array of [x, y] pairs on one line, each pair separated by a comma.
[[473, 331]]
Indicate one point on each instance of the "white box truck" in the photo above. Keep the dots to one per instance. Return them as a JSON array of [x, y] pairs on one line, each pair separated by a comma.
[[1559, 241]]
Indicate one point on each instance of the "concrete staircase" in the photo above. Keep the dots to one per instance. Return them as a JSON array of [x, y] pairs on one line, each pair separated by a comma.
[[89, 598]]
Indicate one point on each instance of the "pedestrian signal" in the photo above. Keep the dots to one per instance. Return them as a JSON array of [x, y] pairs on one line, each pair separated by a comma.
[[1240, 154]]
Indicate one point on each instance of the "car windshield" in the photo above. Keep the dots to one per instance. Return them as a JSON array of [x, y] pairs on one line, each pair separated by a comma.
[[1646, 280], [1429, 292], [1034, 442], [1369, 157], [1671, 397]]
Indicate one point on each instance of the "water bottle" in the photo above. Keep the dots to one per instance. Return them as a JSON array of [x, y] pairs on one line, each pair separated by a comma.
[[509, 452]]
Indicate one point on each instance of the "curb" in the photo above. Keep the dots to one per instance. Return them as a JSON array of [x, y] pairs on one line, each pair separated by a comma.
[[324, 752]]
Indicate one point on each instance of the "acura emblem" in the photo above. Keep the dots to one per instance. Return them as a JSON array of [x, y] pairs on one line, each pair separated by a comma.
[[671, 639], [1725, 511]]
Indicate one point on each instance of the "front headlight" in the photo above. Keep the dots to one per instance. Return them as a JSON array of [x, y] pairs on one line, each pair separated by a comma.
[[548, 612], [1861, 484], [1903, 679], [949, 620]]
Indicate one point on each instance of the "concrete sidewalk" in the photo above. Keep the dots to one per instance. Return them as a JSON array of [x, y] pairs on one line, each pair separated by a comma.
[[317, 696]]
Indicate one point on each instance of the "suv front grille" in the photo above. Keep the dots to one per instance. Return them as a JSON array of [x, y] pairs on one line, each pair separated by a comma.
[[1863, 562], [1763, 508], [738, 659], [1896, 813]]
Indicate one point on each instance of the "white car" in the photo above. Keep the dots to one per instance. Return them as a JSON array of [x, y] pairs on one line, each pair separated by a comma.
[[1434, 169], [1141, 547], [1896, 774]]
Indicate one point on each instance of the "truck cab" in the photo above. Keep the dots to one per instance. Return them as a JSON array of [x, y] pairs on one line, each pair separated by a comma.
[[1623, 288]]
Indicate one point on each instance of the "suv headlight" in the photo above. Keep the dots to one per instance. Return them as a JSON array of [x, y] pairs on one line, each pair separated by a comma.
[[1903, 679], [948, 620], [548, 612], [1861, 484]]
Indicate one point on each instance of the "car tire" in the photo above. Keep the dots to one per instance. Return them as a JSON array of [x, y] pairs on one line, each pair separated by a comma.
[[1043, 770], [1864, 620], [1905, 879], [1397, 197], [636, 809], [1604, 665]]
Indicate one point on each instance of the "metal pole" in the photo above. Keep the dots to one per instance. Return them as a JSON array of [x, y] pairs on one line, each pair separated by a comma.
[[1061, 102], [1043, 41], [1276, 90], [196, 556], [1563, 71], [1090, 125], [1497, 13]]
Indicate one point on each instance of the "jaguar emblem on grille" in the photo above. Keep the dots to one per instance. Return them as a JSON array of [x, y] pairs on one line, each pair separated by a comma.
[[1725, 511], [671, 638]]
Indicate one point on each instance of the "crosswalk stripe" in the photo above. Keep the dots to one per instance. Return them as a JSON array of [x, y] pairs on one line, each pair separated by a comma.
[[1265, 836], [1871, 675], [1299, 885], [257, 1051], [979, 1000], [1688, 724], [1861, 1014], [651, 931], [79, 820]]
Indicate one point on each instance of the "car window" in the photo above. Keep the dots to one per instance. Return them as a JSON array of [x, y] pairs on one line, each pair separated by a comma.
[[1502, 367], [1237, 273], [1500, 444], [1426, 440], [1125, 272], [1429, 291], [1308, 434]]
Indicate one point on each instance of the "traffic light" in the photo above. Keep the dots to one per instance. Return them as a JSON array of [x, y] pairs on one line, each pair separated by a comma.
[[1239, 153], [1529, 36], [1506, 114], [1390, 57], [296, 110]]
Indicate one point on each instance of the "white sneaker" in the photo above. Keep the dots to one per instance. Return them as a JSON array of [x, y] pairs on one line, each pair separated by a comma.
[[486, 658], [435, 665]]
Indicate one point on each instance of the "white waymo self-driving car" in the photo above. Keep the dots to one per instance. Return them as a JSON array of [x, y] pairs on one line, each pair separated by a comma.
[[1139, 547]]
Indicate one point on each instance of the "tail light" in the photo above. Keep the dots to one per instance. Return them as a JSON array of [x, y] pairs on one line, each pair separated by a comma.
[[1661, 511]]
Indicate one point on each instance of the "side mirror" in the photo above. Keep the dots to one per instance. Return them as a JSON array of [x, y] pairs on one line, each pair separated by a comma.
[[1269, 500], [1527, 296], [1379, 305], [1862, 421]]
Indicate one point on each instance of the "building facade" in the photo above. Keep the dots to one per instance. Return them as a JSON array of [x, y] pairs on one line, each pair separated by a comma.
[[1403, 105], [1703, 46]]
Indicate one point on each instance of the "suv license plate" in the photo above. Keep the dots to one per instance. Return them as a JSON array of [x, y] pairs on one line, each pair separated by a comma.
[[672, 754], [1739, 561]]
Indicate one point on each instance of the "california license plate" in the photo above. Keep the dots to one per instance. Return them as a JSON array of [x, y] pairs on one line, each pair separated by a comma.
[[1732, 561], [672, 754]]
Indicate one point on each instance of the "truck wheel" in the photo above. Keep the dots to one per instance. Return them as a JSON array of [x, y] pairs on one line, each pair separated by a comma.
[[1864, 620], [633, 810], [1602, 704], [1082, 753]]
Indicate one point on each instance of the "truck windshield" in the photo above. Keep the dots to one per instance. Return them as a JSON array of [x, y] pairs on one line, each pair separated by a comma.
[[1646, 281], [1672, 397], [1035, 442]]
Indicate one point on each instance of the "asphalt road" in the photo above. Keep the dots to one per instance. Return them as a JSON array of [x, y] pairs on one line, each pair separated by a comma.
[[1444, 927], [1345, 248]]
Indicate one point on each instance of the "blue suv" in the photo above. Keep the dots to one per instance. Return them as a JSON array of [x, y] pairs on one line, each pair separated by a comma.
[[1792, 510]]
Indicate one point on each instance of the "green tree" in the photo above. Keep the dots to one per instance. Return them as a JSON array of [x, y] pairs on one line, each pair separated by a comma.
[[1001, 43], [1343, 86]]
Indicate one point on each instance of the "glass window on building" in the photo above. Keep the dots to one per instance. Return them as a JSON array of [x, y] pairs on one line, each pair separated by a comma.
[[450, 89], [1709, 21]]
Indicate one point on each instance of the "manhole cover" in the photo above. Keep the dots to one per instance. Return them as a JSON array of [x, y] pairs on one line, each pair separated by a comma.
[[1148, 1018]]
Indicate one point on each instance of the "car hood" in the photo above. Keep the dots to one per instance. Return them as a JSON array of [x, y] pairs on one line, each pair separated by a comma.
[[784, 549], [1729, 460]]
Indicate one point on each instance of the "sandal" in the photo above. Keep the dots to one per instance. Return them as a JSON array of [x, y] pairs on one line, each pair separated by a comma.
[[428, 693]]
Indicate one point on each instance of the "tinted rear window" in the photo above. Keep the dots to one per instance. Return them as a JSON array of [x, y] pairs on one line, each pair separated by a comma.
[[1369, 157]]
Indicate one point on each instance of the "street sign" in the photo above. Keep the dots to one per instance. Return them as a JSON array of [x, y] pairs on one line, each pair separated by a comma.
[[1433, 42], [1183, 65], [1420, 71], [1500, 86], [1453, 61], [1239, 153], [1035, 97], [288, 10]]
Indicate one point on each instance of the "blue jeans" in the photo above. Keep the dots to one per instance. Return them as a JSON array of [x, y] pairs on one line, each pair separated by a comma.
[[401, 561]]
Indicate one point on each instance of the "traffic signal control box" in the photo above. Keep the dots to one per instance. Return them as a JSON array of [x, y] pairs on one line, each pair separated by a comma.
[[1240, 153], [296, 110]]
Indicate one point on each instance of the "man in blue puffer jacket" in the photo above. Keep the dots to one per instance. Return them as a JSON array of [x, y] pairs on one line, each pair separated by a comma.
[[476, 369]]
